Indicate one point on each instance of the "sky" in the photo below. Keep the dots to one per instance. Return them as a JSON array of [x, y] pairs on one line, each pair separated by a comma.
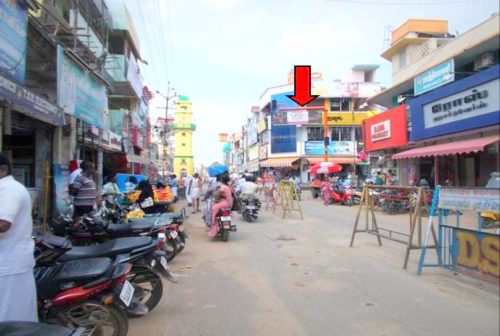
[[223, 54]]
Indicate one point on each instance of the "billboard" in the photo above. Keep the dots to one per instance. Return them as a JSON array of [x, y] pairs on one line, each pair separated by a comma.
[[435, 77], [13, 37]]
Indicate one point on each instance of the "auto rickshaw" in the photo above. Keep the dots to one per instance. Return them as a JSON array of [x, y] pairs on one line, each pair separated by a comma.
[[491, 219]]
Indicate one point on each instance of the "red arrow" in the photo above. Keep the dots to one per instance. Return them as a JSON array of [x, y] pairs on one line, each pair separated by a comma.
[[302, 85]]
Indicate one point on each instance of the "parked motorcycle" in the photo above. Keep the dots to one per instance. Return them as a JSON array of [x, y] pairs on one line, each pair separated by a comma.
[[21, 328], [89, 293], [148, 262], [250, 208], [342, 195]]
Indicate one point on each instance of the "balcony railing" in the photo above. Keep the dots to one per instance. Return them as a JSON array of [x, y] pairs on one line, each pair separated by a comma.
[[191, 127]]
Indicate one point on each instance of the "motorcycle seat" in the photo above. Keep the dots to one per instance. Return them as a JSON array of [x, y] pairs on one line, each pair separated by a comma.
[[135, 226], [79, 272], [110, 248]]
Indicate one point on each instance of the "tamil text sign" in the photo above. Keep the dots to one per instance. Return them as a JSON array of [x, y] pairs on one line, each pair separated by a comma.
[[78, 93], [474, 199], [13, 35], [435, 77], [471, 103], [346, 118]]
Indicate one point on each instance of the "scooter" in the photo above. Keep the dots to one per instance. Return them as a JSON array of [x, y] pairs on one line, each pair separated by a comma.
[[342, 195]]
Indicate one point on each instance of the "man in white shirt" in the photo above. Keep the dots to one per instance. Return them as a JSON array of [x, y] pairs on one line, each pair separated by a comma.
[[240, 182], [18, 301], [111, 188], [74, 174], [249, 188]]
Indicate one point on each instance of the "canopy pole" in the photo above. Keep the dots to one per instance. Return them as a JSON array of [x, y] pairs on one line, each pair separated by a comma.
[[325, 134], [436, 170]]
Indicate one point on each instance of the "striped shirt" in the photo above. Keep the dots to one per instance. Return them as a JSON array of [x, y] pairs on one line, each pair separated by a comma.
[[86, 191]]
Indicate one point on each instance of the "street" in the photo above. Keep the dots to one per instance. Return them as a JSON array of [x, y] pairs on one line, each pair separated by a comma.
[[299, 277]]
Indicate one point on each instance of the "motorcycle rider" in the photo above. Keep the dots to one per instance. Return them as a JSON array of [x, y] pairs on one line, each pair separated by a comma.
[[223, 197], [249, 188]]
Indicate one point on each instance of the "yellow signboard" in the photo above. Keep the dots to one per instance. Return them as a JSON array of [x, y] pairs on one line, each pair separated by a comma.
[[346, 118], [223, 137]]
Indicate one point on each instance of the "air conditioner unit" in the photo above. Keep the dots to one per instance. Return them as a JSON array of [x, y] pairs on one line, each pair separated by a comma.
[[484, 61]]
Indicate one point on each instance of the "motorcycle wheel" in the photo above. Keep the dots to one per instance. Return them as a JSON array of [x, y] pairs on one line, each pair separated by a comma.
[[350, 202], [96, 318], [147, 284], [182, 245], [225, 235], [171, 255], [247, 216]]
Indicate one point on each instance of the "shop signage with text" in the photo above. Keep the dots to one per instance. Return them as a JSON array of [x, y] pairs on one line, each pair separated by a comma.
[[473, 199], [334, 148], [435, 77], [386, 130], [263, 152], [346, 118], [470, 103], [381, 131], [482, 99], [13, 25], [261, 126]]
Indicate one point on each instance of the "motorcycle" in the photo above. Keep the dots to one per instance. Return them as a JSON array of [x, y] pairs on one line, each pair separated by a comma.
[[36, 329], [90, 293], [342, 195], [223, 219], [250, 208], [148, 262]]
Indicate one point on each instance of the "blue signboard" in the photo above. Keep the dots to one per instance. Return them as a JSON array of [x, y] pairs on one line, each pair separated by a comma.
[[121, 179], [13, 34], [334, 148], [78, 93], [467, 104], [435, 77], [29, 103]]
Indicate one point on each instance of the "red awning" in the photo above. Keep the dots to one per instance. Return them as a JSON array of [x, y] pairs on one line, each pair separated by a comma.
[[458, 147]]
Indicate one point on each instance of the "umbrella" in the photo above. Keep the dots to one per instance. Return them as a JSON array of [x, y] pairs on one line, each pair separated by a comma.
[[325, 168], [217, 169]]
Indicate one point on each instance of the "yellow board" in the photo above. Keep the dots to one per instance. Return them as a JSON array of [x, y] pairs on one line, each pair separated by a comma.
[[346, 118]]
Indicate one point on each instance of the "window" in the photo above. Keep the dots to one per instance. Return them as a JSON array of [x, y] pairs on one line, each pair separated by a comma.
[[183, 133], [402, 58], [341, 134], [339, 104], [358, 134], [183, 144], [315, 134], [183, 162], [184, 108]]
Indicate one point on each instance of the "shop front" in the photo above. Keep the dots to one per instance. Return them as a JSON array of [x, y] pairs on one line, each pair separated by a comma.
[[455, 129], [27, 135], [382, 134]]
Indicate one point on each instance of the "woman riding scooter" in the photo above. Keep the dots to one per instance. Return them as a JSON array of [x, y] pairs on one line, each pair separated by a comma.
[[223, 198]]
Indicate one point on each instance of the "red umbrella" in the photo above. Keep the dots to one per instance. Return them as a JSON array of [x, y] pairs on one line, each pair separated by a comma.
[[325, 168]]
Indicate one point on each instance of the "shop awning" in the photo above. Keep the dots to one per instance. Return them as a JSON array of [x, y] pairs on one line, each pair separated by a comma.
[[137, 159], [279, 162], [339, 160], [458, 147]]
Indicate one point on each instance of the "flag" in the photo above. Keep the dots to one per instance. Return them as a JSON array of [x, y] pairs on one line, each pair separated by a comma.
[[147, 95]]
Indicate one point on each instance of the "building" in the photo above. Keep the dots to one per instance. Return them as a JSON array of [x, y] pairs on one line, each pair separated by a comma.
[[183, 128], [292, 139], [448, 87]]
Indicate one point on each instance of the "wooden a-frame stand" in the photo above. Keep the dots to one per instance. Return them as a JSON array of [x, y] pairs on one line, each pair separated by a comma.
[[367, 203]]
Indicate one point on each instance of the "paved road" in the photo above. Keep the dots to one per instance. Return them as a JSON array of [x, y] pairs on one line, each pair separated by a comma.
[[299, 277]]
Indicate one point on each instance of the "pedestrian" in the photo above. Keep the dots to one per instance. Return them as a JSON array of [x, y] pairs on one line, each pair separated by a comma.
[[75, 172], [84, 190], [146, 198], [173, 186], [131, 184], [193, 191], [111, 188], [18, 300]]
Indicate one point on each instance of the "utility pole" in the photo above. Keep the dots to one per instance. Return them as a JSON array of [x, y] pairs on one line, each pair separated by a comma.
[[166, 131]]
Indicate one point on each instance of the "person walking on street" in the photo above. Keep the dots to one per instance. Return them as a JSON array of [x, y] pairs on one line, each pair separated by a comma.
[[173, 187], [18, 300], [193, 191], [84, 190]]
